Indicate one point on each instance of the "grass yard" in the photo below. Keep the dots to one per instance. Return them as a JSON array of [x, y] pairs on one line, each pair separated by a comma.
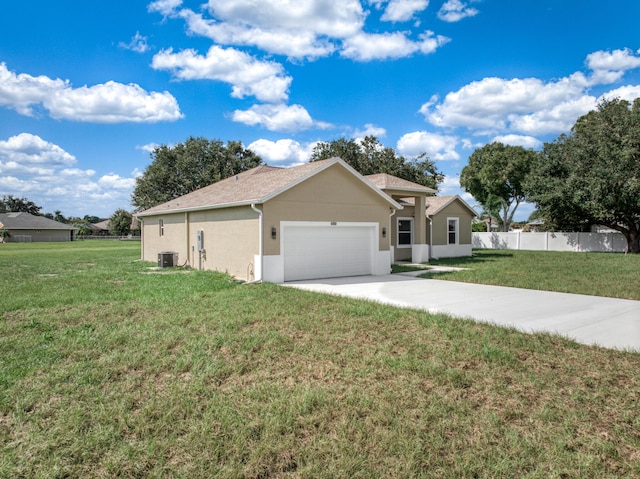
[[110, 369], [597, 274]]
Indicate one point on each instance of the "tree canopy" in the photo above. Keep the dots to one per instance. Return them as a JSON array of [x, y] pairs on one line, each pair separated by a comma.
[[369, 157], [496, 174], [120, 223], [186, 167], [9, 203], [592, 176]]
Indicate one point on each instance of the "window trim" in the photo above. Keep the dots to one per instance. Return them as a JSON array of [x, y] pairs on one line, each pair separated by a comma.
[[411, 230], [161, 227], [456, 230]]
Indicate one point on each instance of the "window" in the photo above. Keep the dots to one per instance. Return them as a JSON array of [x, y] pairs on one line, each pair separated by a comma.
[[405, 232], [161, 227], [452, 230]]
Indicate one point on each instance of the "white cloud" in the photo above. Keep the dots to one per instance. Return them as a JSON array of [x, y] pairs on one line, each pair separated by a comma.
[[278, 117], [436, 146], [532, 106], [109, 102], [403, 10], [519, 140], [164, 7], [628, 92], [247, 75], [76, 173], [137, 44], [46, 174], [31, 150], [555, 119], [285, 151], [456, 10], [384, 46], [116, 182], [309, 29], [609, 67], [337, 19], [526, 105], [293, 44], [370, 130], [450, 185], [149, 147]]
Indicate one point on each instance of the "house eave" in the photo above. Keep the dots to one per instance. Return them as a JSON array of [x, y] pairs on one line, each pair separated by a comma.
[[144, 214]]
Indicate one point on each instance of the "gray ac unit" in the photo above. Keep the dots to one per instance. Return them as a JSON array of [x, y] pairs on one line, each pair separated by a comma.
[[167, 259]]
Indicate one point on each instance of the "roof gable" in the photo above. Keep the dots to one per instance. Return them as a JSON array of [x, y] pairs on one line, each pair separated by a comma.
[[438, 203], [254, 186]]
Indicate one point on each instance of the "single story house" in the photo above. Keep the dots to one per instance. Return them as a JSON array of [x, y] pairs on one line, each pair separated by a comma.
[[102, 227], [99, 229], [317, 220], [27, 228]]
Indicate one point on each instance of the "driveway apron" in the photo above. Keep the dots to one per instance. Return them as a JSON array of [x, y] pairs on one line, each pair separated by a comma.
[[607, 322]]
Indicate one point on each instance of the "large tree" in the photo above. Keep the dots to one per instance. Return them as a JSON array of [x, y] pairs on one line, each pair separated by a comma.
[[186, 167], [592, 175], [10, 203], [496, 173], [120, 223], [369, 157]]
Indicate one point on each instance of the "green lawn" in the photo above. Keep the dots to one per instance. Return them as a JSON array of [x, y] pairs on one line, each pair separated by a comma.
[[111, 369], [597, 274]]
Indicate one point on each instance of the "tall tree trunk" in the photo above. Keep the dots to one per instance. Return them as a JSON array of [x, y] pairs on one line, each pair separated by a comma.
[[633, 242]]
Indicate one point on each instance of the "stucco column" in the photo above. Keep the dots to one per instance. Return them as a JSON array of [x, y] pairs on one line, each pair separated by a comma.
[[420, 233], [420, 247]]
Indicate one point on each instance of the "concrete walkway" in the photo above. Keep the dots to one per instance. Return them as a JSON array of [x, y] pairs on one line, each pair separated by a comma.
[[607, 322]]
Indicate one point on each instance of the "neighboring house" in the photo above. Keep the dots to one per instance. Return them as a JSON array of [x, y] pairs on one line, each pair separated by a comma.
[[27, 228], [320, 219], [99, 229], [443, 231], [102, 228]]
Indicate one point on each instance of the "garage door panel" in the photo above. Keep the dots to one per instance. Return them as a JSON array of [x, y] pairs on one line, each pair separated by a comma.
[[312, 252]]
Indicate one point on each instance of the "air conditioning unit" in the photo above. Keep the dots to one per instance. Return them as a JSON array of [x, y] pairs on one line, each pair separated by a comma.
[[167, 259]]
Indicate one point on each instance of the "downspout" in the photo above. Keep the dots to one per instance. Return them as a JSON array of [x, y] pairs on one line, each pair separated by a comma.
[[141, 221], [260, 243], [186, 222], [393, 253], [430, 237]]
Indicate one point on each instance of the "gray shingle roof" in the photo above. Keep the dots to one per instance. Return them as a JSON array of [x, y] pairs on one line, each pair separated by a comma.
[[385, 181], [436, 203], [252, 186], [26, 221]]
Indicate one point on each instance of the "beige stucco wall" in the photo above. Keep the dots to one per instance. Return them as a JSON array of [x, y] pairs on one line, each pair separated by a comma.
[[230, 239], [331, 195], [173, 239], [439, 224]]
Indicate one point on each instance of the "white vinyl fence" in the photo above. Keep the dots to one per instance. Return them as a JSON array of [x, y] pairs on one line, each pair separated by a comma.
[[579, 242]]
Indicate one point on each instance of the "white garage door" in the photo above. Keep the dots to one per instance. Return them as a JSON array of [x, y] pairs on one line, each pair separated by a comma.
[[312, 251]]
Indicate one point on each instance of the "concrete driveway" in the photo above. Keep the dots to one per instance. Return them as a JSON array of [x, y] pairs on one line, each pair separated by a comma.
[[607, 322]]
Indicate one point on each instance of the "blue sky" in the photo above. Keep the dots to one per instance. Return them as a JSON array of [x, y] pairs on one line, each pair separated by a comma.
[[87, 89]]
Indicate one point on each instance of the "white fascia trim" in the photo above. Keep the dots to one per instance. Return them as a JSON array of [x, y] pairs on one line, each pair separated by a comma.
[[197, 208]]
